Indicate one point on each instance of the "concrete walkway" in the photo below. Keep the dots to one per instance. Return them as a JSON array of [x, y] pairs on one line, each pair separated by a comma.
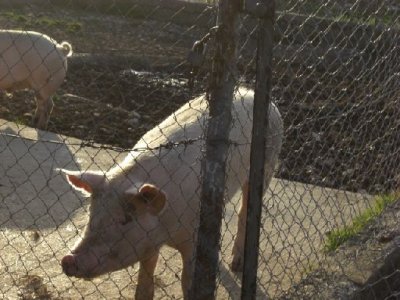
[[41, 217]]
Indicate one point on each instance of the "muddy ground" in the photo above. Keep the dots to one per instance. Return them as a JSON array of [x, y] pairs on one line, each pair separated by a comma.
[[365, 267], [342, 131], [128, 74]]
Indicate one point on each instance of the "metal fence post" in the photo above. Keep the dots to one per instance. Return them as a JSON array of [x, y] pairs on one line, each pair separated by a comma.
[[217, 143], [264, 9]]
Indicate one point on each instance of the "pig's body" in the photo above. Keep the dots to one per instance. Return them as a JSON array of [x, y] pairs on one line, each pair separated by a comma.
[[31, 60], [170, 174]]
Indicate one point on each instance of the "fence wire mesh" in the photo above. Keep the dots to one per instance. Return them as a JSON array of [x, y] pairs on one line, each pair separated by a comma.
[[329, 224]]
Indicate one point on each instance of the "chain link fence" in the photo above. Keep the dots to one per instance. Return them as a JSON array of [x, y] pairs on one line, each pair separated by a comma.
[[329, 216]]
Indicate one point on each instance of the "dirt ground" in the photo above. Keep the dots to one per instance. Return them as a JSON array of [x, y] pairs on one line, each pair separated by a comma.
[[365, 267], [42, 218], [128, 74], [109, 101]]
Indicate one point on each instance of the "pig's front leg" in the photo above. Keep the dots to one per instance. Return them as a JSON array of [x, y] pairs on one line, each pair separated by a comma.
[[145, 286], [44, 107], [186, 251], [238, 246]]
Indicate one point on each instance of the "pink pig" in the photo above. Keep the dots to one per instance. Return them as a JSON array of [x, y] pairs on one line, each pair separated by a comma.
[[152, 198], [32, 60]]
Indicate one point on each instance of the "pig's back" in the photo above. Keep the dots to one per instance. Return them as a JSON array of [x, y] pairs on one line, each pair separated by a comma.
[[170, 154], [182, 126], [186, 126], [26, 41], [25, 52]]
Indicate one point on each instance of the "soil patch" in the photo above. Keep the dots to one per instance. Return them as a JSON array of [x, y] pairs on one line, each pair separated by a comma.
[[341, 131], [365, 267]]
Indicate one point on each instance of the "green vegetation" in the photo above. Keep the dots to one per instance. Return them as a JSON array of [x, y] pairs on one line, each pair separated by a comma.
[[337, 237], [357, 14], [388, 20], [26, 20], [56, 98], [74, 27], [308, 268], [20, 121], [15, 17]]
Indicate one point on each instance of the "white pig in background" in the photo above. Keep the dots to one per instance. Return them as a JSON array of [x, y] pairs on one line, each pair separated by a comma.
[[32, 60], [152, 199]]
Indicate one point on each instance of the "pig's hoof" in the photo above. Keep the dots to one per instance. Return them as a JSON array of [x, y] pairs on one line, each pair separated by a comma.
[[40, 126], [69, 265], [39, 123], [237, 264]]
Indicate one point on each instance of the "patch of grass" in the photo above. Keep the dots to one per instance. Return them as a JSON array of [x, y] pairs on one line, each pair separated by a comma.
[[20, 121], [308, 268], [46, 21], [27, 20], [333, 11], [56, 98], [387, 20], [74, 27], [338, 236], [14, 16]]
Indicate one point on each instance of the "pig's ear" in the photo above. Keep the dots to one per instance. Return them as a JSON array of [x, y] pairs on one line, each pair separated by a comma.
[[149, 198], [84, 182]]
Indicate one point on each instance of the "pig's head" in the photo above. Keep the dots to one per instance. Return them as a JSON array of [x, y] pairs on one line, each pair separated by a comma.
[[124, 225]]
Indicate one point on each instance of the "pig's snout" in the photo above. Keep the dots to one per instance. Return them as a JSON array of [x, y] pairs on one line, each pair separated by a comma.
[[69, 265], [81, 265]]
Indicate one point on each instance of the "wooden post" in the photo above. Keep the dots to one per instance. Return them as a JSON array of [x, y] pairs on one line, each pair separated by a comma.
[[222, 83], [265, 11]]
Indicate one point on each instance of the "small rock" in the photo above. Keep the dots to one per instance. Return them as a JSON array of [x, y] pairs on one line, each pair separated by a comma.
[[105, 130], [131, 72], [133, 121], [348, 172], [134, 114], [316, 136], [35, 236], [386, 237]]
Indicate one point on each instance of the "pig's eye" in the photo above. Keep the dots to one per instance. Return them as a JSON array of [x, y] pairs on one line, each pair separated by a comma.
[[147, 196], [130, 207], [127, 220]]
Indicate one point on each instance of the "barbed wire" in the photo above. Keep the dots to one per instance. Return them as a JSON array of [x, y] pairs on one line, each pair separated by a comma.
[[336, 72]]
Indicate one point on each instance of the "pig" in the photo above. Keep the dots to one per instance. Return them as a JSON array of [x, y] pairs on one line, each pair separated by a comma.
[[32, 60], [152, 198]]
